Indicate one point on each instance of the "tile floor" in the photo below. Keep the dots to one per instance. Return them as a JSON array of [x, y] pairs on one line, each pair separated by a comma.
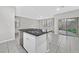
[[68, 44], [64, 44], [11, 47], [60, 44]]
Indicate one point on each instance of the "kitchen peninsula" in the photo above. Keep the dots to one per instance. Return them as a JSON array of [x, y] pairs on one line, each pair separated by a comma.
[[34, 40]]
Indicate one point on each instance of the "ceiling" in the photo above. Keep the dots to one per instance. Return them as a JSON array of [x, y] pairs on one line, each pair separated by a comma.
[[40, 12]]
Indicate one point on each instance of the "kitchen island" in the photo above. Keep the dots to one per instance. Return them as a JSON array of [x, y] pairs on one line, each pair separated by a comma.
[[34, 40]]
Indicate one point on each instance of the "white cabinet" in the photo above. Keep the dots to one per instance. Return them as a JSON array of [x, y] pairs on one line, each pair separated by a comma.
[[34, 44], [29, 42], [46, 24], [41, 44], [42, 48], [52, 42]]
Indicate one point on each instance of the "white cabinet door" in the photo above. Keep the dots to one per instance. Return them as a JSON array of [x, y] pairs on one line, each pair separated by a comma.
[[42, 48], [40, 40], [29, 42], [41, 44], [52, 42], [62, 44]]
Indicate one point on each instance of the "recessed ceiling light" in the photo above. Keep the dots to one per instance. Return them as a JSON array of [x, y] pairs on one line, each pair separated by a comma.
[[40, 17], [58, 9]]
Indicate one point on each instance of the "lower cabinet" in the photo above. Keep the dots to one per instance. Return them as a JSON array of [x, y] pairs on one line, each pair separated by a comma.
[[42, 48], [34, 44], [29, 44], [41, 44]]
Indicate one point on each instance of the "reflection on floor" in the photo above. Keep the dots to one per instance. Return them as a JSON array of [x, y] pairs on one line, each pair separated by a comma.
[[64, 44], [11, 47], [68, 44]]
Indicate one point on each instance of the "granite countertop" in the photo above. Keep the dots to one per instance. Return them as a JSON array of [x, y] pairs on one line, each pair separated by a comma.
[[36, 32]]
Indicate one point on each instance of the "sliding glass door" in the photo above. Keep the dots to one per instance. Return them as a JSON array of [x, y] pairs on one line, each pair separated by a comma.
[[68, 26], [68, 34]]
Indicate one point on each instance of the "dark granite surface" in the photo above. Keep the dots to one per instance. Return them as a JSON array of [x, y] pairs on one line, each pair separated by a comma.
[[36, 32]]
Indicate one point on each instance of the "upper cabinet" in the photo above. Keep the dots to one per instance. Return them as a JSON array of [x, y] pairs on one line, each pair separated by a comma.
[[24, 22], [46, 24]]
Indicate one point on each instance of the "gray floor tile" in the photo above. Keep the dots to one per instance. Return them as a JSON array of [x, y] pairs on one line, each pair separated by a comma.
[[14, 48], [11, 47], [4, 48]]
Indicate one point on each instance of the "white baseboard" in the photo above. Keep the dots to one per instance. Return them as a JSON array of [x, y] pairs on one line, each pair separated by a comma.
[[6, 41]]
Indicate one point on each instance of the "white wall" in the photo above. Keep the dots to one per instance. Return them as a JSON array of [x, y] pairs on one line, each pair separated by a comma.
[[70, 14], [7, 18], [37, 12], [27, 22]]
